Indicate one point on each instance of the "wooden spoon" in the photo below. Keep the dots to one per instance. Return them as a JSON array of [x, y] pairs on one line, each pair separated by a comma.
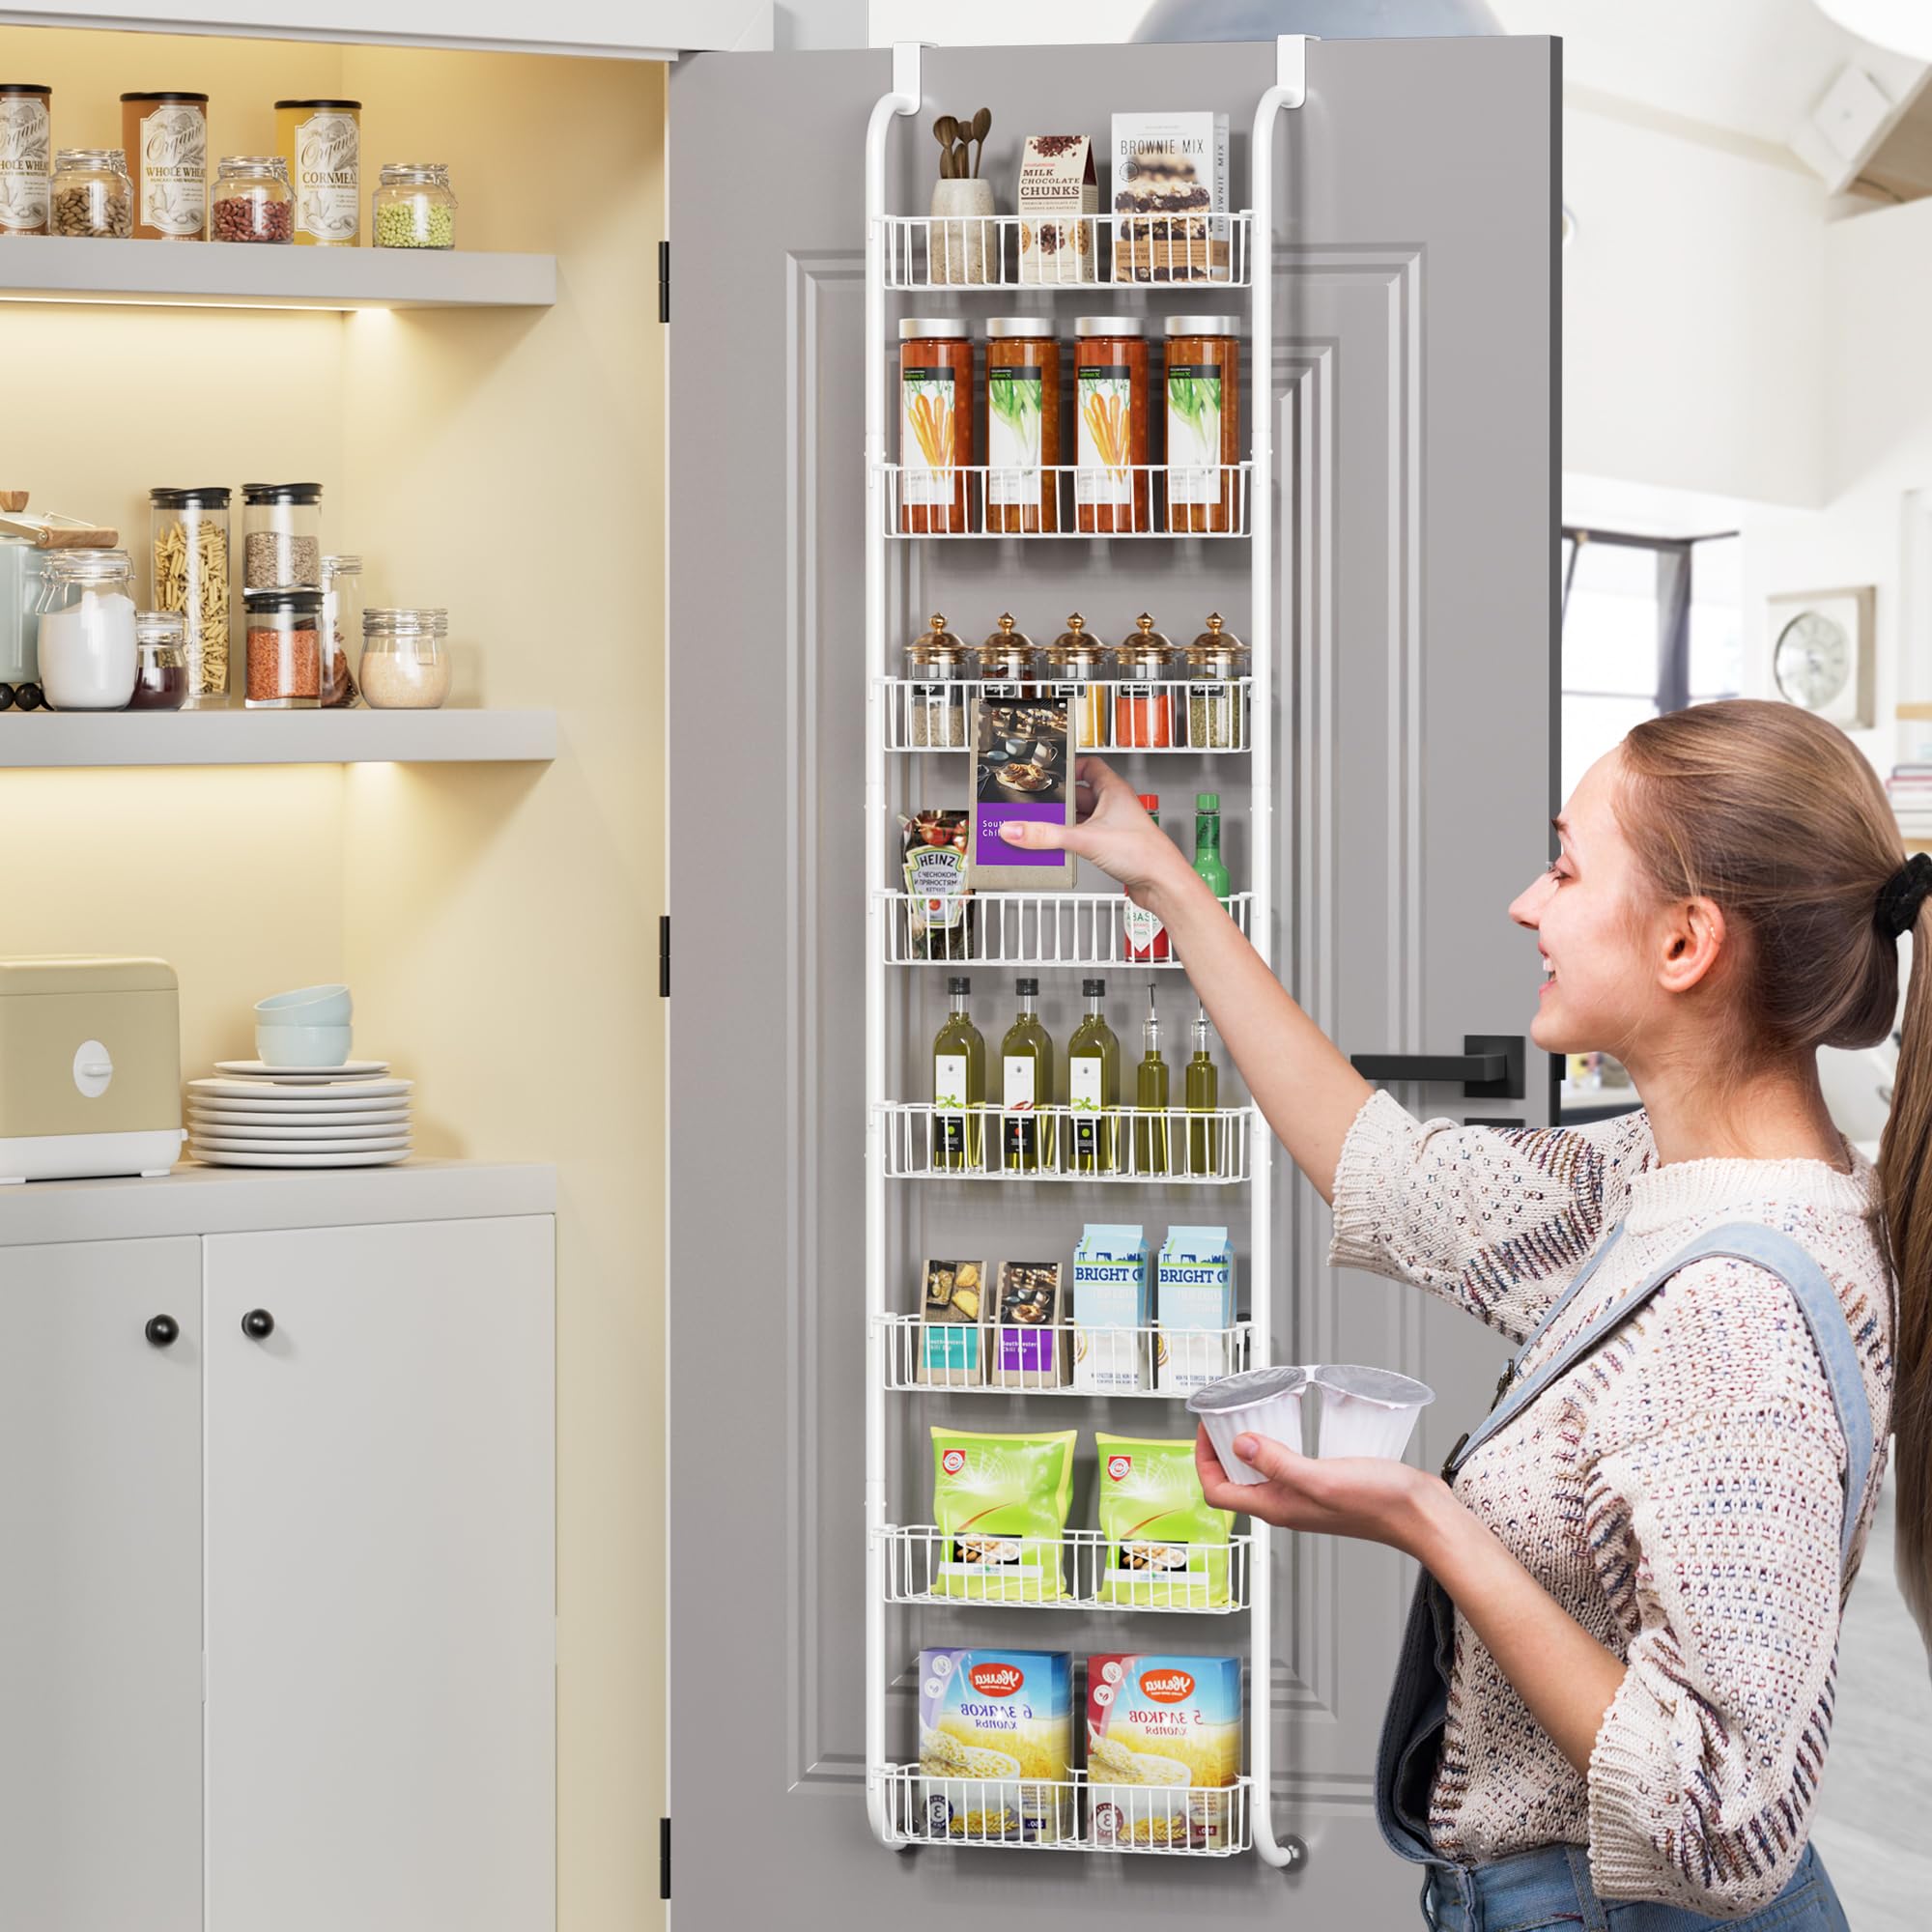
[[959, 168], [946, 130], [982, 122]]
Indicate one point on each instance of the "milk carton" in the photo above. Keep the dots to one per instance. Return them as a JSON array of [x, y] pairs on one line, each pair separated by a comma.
[[1110, 1303], [1195, 1291]]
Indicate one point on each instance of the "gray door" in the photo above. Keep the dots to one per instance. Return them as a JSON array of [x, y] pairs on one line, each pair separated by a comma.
[[1416, 437]]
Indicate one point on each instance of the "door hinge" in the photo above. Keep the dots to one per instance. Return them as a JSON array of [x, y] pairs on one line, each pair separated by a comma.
[[664, 1857], [664, 281], [664, 955]]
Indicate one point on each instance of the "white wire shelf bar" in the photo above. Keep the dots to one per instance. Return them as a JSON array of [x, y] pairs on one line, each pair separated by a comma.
[[1078, 251], [1076, 1813], [1204, 713], [1028, 930], [1126, 499], [1170, 1147], [1078, 1570], [1162, 1364]]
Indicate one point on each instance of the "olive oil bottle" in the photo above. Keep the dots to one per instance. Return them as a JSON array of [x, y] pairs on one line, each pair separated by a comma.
[[958, 1081], [1151, 1147], [1094, 1087], [1206, 1154], [1026, 1057]]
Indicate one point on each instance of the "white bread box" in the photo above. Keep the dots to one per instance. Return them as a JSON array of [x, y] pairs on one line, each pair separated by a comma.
[[90, 1068]]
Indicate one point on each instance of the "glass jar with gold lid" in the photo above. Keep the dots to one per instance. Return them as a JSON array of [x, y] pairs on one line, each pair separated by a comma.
[[937, 697], [1217, 698], [1005, 662], [1078, 662], [1143, 703]]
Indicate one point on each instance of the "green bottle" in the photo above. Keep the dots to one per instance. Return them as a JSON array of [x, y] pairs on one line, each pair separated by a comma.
[[1150, 1142], [958, 1080], [1094, 1087], [1207, 841], [1204, 1091], [1027, 1068]]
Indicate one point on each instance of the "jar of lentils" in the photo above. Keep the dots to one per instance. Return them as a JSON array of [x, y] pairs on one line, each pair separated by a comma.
[[413, 205], [284, 650]]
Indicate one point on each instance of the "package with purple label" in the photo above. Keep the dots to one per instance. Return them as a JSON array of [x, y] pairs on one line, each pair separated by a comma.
[[1029, 1344], [1025, 776]]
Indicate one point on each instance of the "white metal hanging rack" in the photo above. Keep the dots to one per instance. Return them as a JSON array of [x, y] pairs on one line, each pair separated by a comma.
[[899, 255]]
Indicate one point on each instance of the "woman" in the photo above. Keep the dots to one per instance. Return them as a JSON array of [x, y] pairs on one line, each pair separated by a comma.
[[1647, 1546]]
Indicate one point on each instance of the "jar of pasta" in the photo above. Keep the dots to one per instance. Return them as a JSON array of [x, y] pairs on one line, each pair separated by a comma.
[[1110, 396], [1217, 698], [26, 122], [320, 141], [189, 529], [1143, 705], [1204, 423], [1022, 425], [936, 697], [166, 138], [935, 424], [92, 194], [1076, 662]]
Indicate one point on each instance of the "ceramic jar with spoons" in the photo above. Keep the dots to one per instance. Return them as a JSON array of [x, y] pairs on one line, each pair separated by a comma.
[[963, 239]]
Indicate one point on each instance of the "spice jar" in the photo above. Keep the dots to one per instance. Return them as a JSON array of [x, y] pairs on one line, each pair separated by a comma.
[[1004, 662], [284, 650], [26, 140], [165, 139], [281, 536], [92, 194], [937, 719], [1077, 662], [1110, 394], [321, 142], [935, 424], [87, 629], [253, 201], [160, 661], [1217, 703], [341, 621], [190, 555], [405, 664], [1204, 422], [413, 205], [1143, 705], [1022, 425]]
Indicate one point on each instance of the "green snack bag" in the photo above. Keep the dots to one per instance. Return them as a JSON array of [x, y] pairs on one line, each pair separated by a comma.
[[1166, 1549], [1001, 1504]]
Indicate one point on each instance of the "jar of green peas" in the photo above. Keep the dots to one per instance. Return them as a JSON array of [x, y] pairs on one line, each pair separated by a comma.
[[413, 205]]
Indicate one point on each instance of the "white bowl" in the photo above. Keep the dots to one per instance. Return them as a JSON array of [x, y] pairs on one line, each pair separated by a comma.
[[307, 1005], [302, 1045], [1367, 1412], [1259, 1401]]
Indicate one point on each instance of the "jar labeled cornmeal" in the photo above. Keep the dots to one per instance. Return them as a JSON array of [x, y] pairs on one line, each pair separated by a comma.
[[322, 143], [1204, 422]]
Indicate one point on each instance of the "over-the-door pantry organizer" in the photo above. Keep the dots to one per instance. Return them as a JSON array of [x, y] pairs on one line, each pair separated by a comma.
[[1053, 931]]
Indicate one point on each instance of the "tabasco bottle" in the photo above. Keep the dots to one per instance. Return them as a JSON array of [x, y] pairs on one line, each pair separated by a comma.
[[1142, 934]]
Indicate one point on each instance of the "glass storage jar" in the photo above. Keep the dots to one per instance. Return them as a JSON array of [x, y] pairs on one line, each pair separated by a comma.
[[1110, 413], [413, 205], [92, 194], [160, 661], [21, 562], [935, 424], [1004, 662], [281, 536], [341, 628], [405, 664], [1077, 661], [936, 711], [253, 201], [189, 529], [1202, 381], [164, 137], [1218, 700], [87, 629], [1143, 703], [284, 650], [321, 143], [1022, 425], [26, 121]]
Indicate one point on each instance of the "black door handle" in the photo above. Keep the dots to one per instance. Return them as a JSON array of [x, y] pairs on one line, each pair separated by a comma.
[[258, 1324], [1489, 1066], [163, 1330]]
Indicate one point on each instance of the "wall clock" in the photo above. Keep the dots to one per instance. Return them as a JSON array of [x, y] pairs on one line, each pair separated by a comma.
[[1822, 655]]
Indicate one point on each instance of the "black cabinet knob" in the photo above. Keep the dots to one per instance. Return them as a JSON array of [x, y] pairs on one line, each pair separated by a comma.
[[258, 1324], [163, 1330]]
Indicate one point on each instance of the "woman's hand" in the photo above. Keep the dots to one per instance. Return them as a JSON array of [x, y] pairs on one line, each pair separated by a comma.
[[1371, 1497], [1113, 832]]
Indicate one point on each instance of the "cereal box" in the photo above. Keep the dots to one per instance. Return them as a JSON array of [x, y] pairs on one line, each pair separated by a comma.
[[1110, 1302], [989, 1720], [1163, 1751], [1195, 1291]]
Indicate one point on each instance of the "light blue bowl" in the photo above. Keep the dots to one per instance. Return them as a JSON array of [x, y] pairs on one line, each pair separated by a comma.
[[302, 1045], [308, 1006]]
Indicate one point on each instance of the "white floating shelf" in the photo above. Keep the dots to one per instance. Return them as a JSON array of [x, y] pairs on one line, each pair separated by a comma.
[[30, 739], [213, 274]]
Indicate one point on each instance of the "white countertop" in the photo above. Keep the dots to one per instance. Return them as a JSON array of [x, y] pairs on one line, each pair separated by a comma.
[[196, 1200]]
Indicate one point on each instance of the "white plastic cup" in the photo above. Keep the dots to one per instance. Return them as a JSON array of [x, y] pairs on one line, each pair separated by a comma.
[[1367, 1412], [1259, 1401]]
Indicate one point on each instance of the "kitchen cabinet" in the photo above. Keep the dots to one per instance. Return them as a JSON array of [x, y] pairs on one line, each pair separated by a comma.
[[101, 1586]]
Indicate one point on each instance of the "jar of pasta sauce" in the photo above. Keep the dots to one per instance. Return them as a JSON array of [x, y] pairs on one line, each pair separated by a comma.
[[1109, 395], [1204, 423], [935, 424], [1022, 425], [1143, 703]]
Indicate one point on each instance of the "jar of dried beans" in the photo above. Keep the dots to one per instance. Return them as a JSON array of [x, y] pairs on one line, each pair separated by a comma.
[[1218, 690], [190, 555], [92, 194], [281, 536], [1110, 396], [935, 425], [284, 650], [253, 201], [1143, 703], [405, 664], [936, 693], [341, 628], [1076, 662]]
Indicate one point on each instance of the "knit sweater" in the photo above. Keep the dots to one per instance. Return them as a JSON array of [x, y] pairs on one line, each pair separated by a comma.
[[1679, 1492]]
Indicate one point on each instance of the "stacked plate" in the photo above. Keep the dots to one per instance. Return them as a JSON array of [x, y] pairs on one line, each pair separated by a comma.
[[255, 1115]]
